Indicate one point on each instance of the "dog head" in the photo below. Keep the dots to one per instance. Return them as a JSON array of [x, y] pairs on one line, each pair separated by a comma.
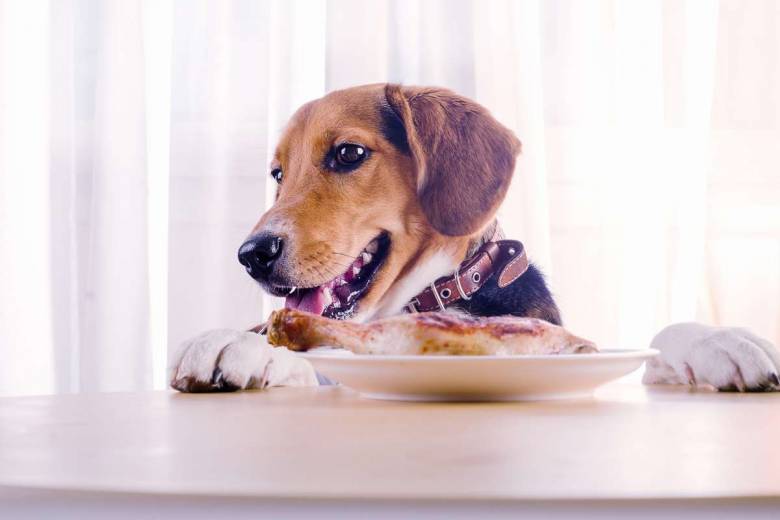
[[380, 190]]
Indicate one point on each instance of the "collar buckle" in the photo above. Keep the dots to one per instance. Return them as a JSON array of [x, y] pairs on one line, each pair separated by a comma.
[[504, 259]]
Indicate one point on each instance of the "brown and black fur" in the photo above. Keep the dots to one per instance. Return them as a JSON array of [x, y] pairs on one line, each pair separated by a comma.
[[477, 159], [438, 167]]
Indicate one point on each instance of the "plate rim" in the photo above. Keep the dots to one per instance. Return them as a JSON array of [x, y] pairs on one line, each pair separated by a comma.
[[606, 354]]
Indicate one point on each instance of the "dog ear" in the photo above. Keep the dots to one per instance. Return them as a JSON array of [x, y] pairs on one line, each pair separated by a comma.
[[464, 157]]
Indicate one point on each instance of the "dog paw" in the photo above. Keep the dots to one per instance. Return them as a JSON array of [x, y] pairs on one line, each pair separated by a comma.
[[728, 358], [226, 360]]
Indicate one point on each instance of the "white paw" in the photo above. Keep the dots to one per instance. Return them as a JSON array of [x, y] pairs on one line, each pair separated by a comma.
[[728, 358], [225, 360]]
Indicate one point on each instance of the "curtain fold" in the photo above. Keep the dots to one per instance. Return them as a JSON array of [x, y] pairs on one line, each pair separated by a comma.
[[114, 315], [135, 138], [27, 357]]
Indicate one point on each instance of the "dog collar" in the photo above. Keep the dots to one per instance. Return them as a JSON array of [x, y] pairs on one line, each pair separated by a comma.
[[503, 258]]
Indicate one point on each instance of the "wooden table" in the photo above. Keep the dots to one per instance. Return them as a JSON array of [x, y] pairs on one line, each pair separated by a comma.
[[325, 451]]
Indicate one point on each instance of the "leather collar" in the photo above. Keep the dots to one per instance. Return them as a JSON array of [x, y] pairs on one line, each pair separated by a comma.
[[505, 259]]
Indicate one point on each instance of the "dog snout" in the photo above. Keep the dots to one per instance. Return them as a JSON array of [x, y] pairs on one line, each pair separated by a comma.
[[259, 253]]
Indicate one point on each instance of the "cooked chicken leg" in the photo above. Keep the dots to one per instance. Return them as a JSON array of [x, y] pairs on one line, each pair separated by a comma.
[[425, 333]]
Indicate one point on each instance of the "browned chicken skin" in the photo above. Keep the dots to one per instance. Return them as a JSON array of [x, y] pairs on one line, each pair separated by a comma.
[[425, 333]]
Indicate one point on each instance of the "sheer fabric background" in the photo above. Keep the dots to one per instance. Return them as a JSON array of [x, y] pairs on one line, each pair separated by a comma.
[[134, 141]]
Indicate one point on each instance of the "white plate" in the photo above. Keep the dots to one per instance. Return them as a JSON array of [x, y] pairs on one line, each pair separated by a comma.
[[477, 378]]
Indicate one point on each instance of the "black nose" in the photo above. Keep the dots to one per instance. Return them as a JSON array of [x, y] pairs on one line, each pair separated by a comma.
[[259, 253]]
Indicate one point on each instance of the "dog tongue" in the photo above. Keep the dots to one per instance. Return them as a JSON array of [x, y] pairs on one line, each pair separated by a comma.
[[309, 300]]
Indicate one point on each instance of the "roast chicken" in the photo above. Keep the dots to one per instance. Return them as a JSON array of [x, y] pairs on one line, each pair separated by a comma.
[[425, 333]]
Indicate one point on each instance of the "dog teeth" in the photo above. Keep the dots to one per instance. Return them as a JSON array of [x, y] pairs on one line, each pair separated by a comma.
[[292, 290], [328, 297], [355, 270], [373, 247], [366, 257], [340, 282]]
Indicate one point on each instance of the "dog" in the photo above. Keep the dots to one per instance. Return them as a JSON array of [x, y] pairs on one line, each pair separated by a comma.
[[382, 190]]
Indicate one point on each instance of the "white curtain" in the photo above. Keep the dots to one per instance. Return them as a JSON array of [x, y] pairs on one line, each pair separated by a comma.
[[134, 140]]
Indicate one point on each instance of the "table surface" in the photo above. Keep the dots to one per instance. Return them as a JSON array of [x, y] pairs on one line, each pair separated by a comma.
[[628, 442]]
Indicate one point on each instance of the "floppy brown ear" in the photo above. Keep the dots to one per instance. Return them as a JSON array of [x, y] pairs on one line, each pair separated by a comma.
[[464, 157]]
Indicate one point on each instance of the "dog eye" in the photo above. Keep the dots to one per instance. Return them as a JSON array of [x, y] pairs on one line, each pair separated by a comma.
[[345, 157], [277, 174], [350, 154]]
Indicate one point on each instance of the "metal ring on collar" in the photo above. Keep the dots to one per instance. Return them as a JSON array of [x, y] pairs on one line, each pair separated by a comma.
[[459, 286], [436, 295]]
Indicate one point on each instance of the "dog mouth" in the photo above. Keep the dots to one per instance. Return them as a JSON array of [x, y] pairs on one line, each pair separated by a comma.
[[339, 297]]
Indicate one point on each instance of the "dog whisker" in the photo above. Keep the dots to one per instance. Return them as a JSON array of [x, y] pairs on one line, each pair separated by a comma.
[[320, 273], [340, 264], [343, 254]]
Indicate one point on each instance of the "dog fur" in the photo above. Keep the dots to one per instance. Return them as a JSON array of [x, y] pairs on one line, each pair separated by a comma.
[[727, 358], [442, 165], [439, 166]]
